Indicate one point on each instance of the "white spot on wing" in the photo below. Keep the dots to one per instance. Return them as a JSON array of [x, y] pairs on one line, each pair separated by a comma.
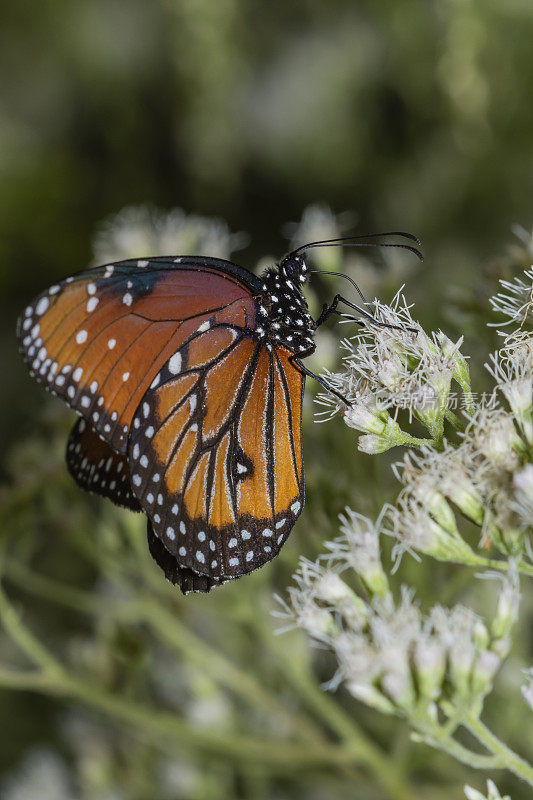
[[174, 364], [42, 305]]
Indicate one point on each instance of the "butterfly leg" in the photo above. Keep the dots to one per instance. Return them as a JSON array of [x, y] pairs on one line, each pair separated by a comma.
[[297, 364], [327, 310]]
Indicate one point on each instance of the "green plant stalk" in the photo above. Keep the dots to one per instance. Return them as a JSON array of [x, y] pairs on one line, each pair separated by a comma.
[[507, 758], [340, 723], [170, 631], [54, 679], [454, 420]]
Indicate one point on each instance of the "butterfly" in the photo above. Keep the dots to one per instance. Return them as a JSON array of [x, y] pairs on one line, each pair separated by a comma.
[[187, 376]]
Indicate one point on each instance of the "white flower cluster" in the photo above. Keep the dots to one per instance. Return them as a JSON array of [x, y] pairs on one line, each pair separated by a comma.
[[396, 367], [485, 477], [434, 668], [389, 654], [516, 301], [143, 231], [487, 474]]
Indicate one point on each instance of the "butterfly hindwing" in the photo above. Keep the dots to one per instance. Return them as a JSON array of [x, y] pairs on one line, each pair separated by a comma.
[[215, 452], [96, 467], [186, 579]]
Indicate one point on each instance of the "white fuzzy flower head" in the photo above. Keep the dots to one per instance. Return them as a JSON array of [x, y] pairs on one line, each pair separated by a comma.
[[447, 473], [403, 366], [492, 793], [512, 368], [319, 596], [508, 604], [365, 415], [516, 302], [143, 231], [415, 529], [423, 485], [376, 662], [491, 433], [318, 224], [358, 548], [523, 496]]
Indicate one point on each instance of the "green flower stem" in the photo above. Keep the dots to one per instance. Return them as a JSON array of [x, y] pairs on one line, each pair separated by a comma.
[[53, 678], [454, 419], [334, 717], [74, 599], [170, 730], [503, 566], [525, 569], [414, 441], [458, 751], [173, 633], [506, 757], [475, 560], [33, 680], [170, 631], [27, 642]]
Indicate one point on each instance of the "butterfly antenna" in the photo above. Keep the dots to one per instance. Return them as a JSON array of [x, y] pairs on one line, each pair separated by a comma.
[[338, 241], [349, 243]]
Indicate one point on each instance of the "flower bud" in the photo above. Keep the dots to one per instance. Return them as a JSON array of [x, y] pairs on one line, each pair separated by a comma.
[[485, 669], [368, 694], [461, 372], [507, 610], [398, 685], [430, 665]]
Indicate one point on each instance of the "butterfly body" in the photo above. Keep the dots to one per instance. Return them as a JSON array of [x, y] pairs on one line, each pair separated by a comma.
[[182, 371]]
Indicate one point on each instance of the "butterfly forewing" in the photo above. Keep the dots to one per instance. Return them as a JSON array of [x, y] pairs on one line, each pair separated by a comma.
[[96, 467], [214, 467], [98, 339]]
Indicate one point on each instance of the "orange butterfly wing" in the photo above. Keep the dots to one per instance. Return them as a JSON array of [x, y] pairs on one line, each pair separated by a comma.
[[215, 452], [98, 339]]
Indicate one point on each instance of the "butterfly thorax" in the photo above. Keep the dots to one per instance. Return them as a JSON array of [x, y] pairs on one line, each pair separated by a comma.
[[284, 317]]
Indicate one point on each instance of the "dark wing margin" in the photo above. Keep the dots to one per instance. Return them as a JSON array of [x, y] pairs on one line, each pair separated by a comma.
[[97, 468]]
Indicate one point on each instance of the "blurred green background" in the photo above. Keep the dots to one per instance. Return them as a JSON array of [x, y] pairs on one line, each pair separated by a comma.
[[410, 115]]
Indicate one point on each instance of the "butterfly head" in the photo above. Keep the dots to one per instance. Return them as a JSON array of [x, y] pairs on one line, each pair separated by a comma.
[[293, 268]]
